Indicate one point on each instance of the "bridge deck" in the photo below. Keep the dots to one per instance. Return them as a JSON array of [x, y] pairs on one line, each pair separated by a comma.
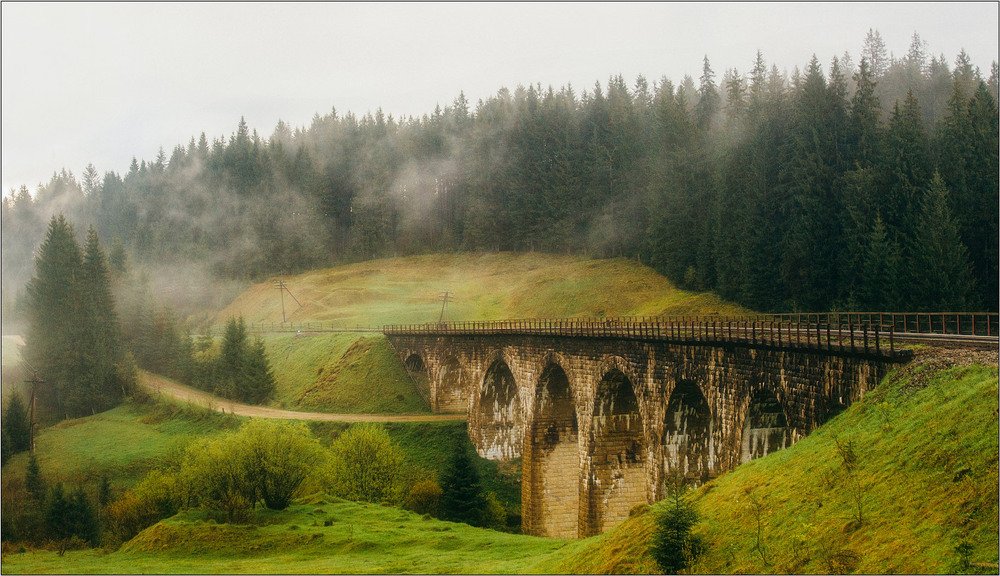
[[870, 334]]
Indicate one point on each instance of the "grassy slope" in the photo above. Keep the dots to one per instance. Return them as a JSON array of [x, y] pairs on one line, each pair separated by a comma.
[[123, 443], [485, 287], [336, 372], [360, 539], [928, 466], [340, 372]]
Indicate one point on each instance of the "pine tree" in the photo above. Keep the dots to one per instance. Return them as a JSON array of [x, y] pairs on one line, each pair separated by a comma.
[[34, 484], [258, 381], [709, 100], [462, 497], [941, 276], [55, 322], [16, 425], [880, 271], [103, 349]]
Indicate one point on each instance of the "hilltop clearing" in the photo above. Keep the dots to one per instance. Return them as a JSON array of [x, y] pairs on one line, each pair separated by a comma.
[[484, 286], [926, 447], [358, 373]]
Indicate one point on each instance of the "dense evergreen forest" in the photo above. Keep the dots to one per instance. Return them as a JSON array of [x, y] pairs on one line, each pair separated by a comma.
[[870, 182]]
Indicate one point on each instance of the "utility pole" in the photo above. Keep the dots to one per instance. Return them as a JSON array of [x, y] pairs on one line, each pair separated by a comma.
[[445, 298], [282, 288], [35, 381]]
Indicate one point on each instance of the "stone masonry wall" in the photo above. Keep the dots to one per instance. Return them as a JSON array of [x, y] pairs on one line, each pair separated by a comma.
[[809, 386]]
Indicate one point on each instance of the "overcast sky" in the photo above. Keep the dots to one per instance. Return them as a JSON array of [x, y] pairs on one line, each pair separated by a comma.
[[102, 83]]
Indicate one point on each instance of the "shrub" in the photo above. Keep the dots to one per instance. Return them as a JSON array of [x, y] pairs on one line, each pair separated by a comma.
[[494, 514], [365, 465], [155, 497], [280, 458], [424, 498], [673, 546], [262, 461]]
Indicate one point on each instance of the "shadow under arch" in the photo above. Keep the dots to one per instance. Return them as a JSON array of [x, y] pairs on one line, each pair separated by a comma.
[[765, 426], [617, 453], [496, 422], [688, 452]]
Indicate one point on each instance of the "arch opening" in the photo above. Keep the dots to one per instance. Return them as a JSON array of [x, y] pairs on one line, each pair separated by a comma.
[[554, 469], [617, 453], [497, 423], [414, 364], [765, 427], [687, 435]]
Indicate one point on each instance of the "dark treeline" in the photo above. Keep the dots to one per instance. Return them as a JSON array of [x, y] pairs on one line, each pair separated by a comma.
[[868, 184]]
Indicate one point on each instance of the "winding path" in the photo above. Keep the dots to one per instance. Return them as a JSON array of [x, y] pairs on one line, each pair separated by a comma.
[[167, 387]]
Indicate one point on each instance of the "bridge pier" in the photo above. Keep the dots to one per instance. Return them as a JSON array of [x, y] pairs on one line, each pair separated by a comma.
[[601, 423]]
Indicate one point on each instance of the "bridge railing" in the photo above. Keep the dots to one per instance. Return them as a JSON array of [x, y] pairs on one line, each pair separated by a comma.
[[952, 323], [842, 334]]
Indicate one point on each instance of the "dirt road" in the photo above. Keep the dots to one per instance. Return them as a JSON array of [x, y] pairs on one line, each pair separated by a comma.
[[159, 384]]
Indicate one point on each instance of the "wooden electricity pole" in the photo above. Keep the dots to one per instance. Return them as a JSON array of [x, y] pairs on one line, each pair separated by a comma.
[[445, 298], [282, 288], [35, 381]]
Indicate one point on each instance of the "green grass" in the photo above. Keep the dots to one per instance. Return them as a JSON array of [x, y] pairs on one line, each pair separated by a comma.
[[361, 538], [927, 449], [340, 372], [485, 287], [350, 372], [123, 443]]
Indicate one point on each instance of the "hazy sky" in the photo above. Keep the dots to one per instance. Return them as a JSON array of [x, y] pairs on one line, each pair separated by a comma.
[[102, 83]]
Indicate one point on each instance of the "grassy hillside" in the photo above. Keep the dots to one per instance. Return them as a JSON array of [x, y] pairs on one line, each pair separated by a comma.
[[926, 446], [359, 539], [123, 443], [349, 372], [485, 287], [340, 372]]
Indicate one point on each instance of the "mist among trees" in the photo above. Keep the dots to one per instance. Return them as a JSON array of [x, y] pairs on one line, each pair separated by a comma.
[[868, 182]]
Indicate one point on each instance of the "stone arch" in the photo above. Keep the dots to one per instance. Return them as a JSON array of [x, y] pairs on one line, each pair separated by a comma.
[[765, 426], [552, 467], [617, 452], [418, 372], [688, 450], [496, 420]]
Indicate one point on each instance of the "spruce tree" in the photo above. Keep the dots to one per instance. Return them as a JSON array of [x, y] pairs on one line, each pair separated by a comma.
[[33, 481], [880, 271], [462, 497], [55, 322], [102, 345], [941, 276], [16, 425]]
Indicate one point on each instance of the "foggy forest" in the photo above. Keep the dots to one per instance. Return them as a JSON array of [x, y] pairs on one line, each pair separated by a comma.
[[818, 189]]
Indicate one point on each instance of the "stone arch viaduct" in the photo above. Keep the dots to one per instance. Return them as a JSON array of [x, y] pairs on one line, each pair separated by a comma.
[[603, 413]]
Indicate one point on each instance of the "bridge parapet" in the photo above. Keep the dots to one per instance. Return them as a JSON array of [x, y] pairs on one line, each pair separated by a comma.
[[825, 334]]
